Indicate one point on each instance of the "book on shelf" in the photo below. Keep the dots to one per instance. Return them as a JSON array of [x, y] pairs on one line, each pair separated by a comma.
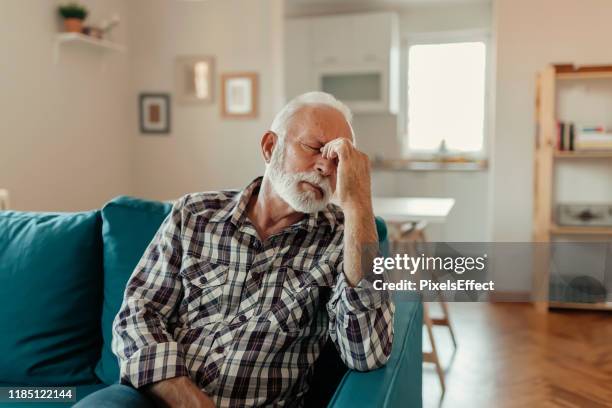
[[572, 137], [592, 129], [565, 136], [593, 138], [560, 132]]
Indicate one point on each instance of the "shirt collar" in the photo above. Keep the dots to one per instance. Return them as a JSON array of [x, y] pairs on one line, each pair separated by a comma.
[[235, 211]]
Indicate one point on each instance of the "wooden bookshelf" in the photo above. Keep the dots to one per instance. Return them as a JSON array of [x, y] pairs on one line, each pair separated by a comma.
[[576, 230], [546, 155], [583, 155], [570, 72], [581, 306], [584, 75]]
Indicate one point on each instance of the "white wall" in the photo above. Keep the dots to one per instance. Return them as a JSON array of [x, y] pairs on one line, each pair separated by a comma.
[[69, 137], [203, 151], [530, 35], [63, 142]]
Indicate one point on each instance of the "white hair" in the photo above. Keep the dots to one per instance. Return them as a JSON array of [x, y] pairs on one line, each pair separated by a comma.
[[282, 118]]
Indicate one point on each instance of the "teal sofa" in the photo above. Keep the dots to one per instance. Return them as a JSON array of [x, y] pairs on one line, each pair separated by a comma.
[[62, 277]]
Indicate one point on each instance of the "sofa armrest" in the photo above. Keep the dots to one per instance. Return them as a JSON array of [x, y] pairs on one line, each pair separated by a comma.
[[399, 383]]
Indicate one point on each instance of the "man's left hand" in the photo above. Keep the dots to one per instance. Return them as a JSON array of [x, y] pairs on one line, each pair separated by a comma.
[[353, 175]]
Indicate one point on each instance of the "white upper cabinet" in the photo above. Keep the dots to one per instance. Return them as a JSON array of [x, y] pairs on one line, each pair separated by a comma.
[[372, 36], [354, 57], [331, 37]]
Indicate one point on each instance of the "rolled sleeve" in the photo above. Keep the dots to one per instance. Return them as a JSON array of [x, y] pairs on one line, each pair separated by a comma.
[[153, 363], [360, 298]]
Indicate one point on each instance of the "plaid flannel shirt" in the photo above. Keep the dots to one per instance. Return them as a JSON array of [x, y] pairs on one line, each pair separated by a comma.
[[245, 319]]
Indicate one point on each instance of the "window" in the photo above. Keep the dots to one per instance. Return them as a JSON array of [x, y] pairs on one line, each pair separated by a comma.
[[446, 97]]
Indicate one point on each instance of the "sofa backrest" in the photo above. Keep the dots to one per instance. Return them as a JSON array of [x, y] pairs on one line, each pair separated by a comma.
[[129, 225], [50, 297]]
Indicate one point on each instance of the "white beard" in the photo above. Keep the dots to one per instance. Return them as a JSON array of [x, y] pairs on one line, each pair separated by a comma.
[[286, 185]]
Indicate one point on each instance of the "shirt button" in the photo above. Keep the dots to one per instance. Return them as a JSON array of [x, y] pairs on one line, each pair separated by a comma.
[[219, 350], [242, 318]]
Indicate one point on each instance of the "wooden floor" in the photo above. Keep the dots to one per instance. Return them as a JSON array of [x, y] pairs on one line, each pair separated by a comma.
[[509, 356]]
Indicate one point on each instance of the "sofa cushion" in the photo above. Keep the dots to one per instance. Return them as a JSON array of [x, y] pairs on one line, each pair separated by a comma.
[[50, 297], [129, 225]]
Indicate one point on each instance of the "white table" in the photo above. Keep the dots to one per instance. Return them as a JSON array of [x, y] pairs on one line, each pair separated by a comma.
[[413, 209], [401, 210]]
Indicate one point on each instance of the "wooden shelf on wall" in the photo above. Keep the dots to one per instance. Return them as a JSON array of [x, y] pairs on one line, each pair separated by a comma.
[[85, 41], [77, 38]]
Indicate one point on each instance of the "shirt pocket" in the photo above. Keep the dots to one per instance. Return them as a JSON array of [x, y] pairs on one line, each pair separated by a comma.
[[298, 303], [203, 283]]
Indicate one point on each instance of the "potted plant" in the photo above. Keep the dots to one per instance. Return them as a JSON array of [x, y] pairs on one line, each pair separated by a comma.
[[73, 14]]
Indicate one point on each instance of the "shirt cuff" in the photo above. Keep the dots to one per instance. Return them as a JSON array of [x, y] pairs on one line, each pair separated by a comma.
[[361, 298], [150, 364]]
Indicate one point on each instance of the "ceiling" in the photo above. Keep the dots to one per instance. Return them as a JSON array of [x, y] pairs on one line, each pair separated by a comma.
[[399, 3], [300, 8]]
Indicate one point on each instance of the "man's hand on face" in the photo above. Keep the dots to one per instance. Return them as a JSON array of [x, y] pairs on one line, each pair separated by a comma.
[[353, 192], [353, 175], [178, 392]]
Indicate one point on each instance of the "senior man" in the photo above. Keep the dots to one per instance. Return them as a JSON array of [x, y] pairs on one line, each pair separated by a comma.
[[238, 291]]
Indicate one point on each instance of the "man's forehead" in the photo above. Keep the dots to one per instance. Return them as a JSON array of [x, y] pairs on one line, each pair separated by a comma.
[[324, 123]]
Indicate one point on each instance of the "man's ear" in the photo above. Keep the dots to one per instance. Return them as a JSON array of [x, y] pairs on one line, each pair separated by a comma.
[[268, 142]]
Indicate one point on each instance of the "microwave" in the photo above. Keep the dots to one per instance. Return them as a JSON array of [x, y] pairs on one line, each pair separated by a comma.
[[364, 89]]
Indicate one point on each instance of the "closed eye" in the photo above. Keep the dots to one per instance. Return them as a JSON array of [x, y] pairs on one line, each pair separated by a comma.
[[311, 148]]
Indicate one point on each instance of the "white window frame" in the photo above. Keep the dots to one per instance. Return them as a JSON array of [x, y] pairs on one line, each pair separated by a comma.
[[443, 37]]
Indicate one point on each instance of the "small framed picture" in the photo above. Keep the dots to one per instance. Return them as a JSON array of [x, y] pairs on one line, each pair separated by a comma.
[[239, 95], [194, 79], [155, 113]]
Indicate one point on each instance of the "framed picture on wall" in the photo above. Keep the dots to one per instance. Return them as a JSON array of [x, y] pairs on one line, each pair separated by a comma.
[[154, 113], [194, 79], [239, 95]]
